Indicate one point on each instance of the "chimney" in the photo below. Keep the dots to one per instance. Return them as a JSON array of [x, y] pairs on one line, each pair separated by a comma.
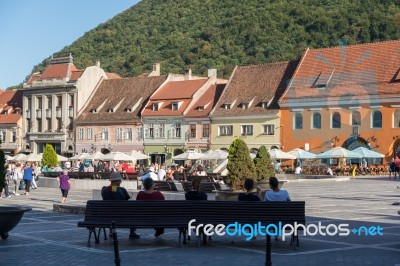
[[156, 70], [98, 64], [188, 74], [212, 73]]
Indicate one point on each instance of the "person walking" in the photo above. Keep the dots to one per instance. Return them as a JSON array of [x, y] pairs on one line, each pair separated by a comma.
[[392, 169], [17, 177], [65, 185], [28, 176], [35, 173]]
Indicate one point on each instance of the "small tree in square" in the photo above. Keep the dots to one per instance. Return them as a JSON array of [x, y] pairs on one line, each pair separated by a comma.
[[2, 170], [240, 165], [49, 156], [263, 164]]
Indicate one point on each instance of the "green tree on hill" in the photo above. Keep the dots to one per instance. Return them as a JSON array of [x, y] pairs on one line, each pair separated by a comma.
[[49, 156], [240, 165]]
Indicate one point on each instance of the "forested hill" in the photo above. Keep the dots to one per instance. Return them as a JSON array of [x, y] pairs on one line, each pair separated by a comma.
[[220, 34]]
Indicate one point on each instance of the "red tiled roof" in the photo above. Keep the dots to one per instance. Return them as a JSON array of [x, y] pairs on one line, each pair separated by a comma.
[[255, 85], [9, 119], [75, 75], [113, 91], [178, 89], [166, 109], [205, 104], [34, 77], [58, 71], [11, 98], [113, 76], [345, 72]]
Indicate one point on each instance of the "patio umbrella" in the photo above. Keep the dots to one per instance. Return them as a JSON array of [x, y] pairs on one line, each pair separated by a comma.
[[62, 158], [215, 155], [9, 158], [96, 156], [280, 155], [302, 154], [138, 155], [118, 156], [20, 157], [367, 153], [33, 157], [338, 152], [79, 157], [189, 155]]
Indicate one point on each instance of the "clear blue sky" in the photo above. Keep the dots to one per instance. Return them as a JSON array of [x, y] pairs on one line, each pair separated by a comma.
[[32, 30]]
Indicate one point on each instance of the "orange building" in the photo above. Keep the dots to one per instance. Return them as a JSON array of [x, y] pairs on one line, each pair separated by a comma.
[[345, 96]]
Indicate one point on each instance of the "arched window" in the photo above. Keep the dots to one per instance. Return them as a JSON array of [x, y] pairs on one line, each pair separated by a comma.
[[336, 122], [396, 119], [317, 120], [298, 121], [356, 118], [377, 119]]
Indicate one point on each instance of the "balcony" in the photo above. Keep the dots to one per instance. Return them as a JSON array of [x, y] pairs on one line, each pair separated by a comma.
[[48, 113], [58, 112], [39, 113]]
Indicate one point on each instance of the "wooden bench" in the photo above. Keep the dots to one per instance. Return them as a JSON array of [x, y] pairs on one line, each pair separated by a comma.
[[178, 213], [164, 185], [206, 187], [202, 178]]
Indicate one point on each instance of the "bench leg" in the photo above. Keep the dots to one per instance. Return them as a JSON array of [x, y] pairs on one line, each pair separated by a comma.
[[104, 232], [268, 261], [92, 230], [182, 232], [295, 240]]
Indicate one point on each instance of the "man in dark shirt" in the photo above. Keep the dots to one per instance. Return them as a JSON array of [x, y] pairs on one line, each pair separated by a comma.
[[195, 193], [115, 192], [248, 195]]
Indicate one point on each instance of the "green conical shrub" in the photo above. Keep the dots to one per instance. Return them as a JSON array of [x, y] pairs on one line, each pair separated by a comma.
[[240, 165], [49, 156], [263, 164]]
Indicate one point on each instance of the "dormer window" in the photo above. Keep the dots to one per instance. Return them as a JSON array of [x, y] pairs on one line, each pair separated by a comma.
[[175, 106], [4, 112], [264, 105], [156, 106], [245, 105], [93, 111], [110, 110], [324, 78], [200, 108], [227, 106], [128, 110]]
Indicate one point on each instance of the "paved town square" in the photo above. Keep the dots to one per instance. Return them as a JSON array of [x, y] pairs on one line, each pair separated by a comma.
[[44, 237]]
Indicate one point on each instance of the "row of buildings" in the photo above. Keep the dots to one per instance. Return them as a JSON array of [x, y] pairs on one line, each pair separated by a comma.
[[343, 96]]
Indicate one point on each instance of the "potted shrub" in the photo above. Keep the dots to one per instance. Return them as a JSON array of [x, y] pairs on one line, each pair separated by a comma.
[[49, 156], [264, 168]]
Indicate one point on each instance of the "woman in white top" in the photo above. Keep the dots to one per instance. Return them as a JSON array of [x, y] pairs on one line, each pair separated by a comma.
[[200, 171], [17, 177]]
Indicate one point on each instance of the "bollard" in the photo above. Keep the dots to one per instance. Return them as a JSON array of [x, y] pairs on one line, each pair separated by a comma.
[[115, 242]]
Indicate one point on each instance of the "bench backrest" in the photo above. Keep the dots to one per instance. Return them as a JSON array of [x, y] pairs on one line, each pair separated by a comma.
[[201, 178], [165, 185], [140, 213]]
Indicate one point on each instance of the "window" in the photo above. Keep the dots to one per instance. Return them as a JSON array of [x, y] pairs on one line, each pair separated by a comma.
[[155, 106], [13, 138], [59, 125], [128, 133], [269, 129], [175, 106], [3, 136], [39, 125], [206, 130], [71, 100], [151, 130], [80, 134], [49, 103], [298, 121], [316, 121], [226, 106], [336, 121], [377, 119], [193, 130], [48, 125], [247, 130], [160, 134], [59, 101], [104, 134], [39, 102], [71, 124], [225, 130], [356, 118], [178, 129], [245, 105], [139, 133], [89, 133], [118, 133], [396, 123]]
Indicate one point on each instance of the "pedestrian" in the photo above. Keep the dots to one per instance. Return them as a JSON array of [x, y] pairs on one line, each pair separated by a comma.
[[65, 185], [28, 176], [17, 177], [392, 169], [397, 164], [35, 173]]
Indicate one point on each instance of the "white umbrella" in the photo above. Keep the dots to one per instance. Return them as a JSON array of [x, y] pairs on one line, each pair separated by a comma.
[[215, 155], [9, 158], [302, 154], [280, 155], [338, 152], [20, 157], [367, 153], [138, 155], [96, 156], [33, 157], [79, 157], [62, 158], [118, 156], [189, 155]]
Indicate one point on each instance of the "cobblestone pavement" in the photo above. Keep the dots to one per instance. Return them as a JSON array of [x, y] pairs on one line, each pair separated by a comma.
[[44, 237]]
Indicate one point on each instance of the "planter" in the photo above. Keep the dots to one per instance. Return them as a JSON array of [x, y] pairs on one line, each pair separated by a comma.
[[10, 217], [227, 195], [264, 185]]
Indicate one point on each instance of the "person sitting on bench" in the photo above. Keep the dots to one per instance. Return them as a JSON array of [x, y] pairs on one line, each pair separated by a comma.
[[248, 195], [115, 192], [276, 194], [150, 194], [195, 193]]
